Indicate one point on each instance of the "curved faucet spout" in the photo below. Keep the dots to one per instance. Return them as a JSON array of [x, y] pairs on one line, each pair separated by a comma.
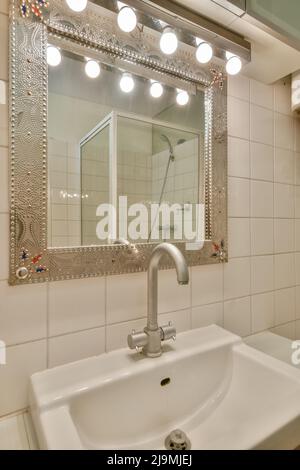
[[151, 338], [182, 277], [176, 255]]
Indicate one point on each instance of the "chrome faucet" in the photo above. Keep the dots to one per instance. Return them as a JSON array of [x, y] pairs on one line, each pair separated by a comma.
[[150, 339]]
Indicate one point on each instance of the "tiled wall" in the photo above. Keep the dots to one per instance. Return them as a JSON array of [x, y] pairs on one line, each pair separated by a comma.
[[45, 325], [64, 209]]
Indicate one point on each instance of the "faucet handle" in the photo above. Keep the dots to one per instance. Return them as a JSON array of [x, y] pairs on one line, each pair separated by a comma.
[[168, 332], [137, 340]]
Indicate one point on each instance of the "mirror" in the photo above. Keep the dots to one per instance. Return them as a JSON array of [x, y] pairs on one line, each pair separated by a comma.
[[102, 173], [107, 146]]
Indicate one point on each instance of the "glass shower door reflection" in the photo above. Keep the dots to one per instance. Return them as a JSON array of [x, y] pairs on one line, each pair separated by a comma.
[[95, 189]]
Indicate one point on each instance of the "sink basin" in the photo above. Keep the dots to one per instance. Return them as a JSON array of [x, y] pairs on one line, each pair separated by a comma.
[[222, 393]]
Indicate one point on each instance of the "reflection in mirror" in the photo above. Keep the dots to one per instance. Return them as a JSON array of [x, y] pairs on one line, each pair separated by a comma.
[[106, 145]]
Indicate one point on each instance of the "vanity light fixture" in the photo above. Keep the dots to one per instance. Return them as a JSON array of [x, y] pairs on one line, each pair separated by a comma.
[[182, 97], [77, 5], [168, 41], [156, 89], [233, 64], [204, 51], [127, 83], [127, 19], [53, 56], [92, 68]]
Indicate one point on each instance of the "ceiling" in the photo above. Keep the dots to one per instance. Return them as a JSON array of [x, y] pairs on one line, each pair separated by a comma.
[[271, 58]]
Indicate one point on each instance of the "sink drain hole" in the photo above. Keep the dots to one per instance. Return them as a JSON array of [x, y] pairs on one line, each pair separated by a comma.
[[165, 381], [177, 440]]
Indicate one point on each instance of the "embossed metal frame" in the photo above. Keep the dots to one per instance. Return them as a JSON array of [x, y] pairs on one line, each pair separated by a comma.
[[30, 258]]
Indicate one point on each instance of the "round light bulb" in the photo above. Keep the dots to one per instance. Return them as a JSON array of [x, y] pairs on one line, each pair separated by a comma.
[[168, 41], [127, 20], [204, 53], [126, 83], [156, 90], [233, 65], [53, 56], [77, 5], [92, 69], [182, 97]]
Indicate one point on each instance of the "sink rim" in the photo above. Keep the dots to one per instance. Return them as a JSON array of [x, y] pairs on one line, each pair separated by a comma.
[[52, 391]]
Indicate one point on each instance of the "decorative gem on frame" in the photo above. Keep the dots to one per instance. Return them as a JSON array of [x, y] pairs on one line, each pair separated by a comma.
[[34, 7], [219, 251], [36, 259], [31, 264], [217, 78], [24, 255], [40, 269]]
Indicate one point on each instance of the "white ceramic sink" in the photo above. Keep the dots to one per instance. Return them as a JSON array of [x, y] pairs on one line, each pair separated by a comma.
[[222, 393]]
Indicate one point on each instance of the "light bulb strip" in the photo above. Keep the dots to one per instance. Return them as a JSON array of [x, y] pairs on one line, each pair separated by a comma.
[[122, 53]]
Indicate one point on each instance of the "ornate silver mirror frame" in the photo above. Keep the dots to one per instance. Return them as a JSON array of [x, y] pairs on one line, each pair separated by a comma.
[[31, 24]]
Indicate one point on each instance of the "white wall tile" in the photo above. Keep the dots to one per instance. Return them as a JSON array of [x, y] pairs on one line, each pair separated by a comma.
[[285, 305], [237, 316], [297, 302], [4, 47], [261, 125], [261, 94], [126, 297], [284, 131], [239, 87], [284, 235], [238, 197], [262, 311], [3, 117], [3, 92], [284, 271], [297, 234], [262, 161], [4, 244], [206, 315], [13, 434], [4, 6], [282, 97], [297, 268], [4, 179], [21, 362], [297, 333], [171, 295], [238, 118], [297, 201], [237, 278], [284, 166], [297, 168], [262, 274], [261, 199], [23, 313], [76, 305], [239, 237], [262, 236], [207, 284], [284, 201], [76, 346], [297, 135], [287, 330], [238, 157]]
